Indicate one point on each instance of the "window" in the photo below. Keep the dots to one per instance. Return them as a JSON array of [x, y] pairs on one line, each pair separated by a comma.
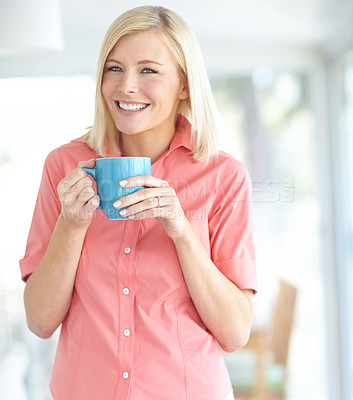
[[37, 115], [341, 104], [268, 125]]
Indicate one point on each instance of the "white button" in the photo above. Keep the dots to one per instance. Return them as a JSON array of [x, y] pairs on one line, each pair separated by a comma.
[[126, 290], [127, 332], [125, 375], [127, 250]]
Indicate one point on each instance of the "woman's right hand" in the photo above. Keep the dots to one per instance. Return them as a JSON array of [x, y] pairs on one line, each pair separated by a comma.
[[77, 196]]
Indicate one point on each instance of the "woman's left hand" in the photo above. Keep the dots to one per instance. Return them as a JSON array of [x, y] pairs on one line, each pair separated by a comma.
[[156, 200]]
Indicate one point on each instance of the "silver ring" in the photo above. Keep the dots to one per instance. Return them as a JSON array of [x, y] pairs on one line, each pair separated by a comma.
[[159, 201]]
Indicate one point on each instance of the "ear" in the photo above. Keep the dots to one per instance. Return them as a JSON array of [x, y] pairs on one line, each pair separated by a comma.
[[184, 91]]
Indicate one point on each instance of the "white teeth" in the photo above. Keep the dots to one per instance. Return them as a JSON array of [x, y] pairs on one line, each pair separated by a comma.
[[132, 107]]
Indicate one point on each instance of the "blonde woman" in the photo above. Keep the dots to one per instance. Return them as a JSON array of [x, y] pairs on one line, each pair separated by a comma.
[[142, 303]]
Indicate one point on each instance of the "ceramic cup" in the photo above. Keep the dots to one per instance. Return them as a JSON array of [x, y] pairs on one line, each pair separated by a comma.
[[109, 172]]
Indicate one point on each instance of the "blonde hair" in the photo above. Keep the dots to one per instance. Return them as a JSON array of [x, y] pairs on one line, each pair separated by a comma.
[[199, 108]]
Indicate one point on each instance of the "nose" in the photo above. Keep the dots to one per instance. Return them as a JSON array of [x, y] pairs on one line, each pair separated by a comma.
[[128, 83]]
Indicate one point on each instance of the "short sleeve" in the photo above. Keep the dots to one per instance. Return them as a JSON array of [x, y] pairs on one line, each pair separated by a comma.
[[46, 212], [231, 226]]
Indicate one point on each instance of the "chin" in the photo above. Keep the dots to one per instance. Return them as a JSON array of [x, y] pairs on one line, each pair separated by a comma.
[[128, 130]]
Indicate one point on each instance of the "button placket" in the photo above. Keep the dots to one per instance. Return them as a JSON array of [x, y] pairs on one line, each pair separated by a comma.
[[125, 274], [125, 375]]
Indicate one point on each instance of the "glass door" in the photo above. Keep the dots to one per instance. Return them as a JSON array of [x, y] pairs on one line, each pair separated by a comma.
[[341, 103]]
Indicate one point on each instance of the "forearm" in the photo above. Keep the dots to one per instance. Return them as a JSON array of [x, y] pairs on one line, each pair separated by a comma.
[[48, 291], [223, 307]]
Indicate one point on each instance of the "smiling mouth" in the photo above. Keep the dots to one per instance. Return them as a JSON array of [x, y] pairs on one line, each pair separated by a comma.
[[131, 106]]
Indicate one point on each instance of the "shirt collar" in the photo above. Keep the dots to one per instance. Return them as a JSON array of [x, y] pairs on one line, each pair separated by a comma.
[[182, 135], [181, 138]]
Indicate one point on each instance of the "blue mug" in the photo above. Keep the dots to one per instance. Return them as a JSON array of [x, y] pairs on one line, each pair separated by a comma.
[[109, 172]]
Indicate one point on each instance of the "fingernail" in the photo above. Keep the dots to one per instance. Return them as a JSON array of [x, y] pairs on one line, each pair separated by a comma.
[[123, 212], [123, 183], [117, 204]]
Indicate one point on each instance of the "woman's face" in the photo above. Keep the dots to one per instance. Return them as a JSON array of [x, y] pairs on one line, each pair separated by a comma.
[[141, 84]]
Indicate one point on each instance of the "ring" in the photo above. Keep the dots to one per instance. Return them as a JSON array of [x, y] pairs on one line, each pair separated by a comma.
[[159, 201]]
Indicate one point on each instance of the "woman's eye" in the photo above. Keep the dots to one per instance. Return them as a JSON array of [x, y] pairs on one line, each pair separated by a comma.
[[114, 69], [149, 71]]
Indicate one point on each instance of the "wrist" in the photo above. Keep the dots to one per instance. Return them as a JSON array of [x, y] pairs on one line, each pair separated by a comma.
[[186, 237], [71, 227]]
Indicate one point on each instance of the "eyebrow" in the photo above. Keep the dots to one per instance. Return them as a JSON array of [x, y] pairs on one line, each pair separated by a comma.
[[140, 62]]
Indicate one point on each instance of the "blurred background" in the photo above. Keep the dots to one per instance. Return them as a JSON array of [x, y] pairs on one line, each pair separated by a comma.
[[282, 75]]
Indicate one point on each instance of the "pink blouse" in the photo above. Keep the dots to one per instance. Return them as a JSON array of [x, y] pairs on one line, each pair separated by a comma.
[[132, 331]]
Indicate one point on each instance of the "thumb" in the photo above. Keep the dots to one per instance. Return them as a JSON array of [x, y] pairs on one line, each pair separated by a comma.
[[88, 164]]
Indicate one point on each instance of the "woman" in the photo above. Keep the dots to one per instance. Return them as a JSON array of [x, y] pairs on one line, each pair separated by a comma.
[[143, 303]]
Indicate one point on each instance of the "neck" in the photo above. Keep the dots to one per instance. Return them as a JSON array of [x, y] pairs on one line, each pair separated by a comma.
[[147, 144]]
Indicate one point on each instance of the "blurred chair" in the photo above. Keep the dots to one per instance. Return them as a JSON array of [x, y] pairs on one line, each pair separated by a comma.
[[270, 348]]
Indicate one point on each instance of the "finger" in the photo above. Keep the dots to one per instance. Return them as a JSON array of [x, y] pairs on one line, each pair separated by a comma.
[[144, 194], [149, 204], [87, 211], [83, 183], [85, 195], [87, 164], [71, 179], [168, 213], [92, 203], [152, 213], [144, 180], [69, 194], [145, 205]]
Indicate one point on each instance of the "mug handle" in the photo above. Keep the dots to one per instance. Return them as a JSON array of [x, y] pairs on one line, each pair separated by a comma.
[[92, 172]]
